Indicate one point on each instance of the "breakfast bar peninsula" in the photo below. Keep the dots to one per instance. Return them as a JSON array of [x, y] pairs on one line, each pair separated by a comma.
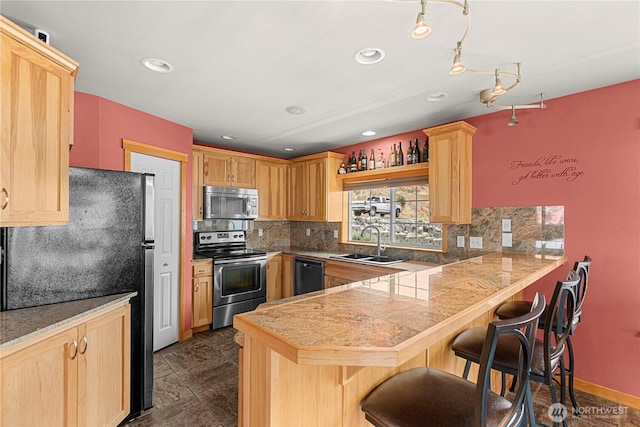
[[310, 360]]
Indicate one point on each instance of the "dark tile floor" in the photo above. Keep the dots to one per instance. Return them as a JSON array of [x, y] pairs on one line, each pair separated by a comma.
[[196, 385]]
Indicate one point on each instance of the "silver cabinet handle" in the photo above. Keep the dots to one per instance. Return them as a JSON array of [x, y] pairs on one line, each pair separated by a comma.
[[86, 344], [6, 198], [74, 343]]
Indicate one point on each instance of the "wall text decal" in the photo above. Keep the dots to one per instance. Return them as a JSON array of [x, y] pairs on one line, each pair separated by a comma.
[[547, 167]]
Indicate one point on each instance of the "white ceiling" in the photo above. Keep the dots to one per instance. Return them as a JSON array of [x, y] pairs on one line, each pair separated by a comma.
[[238, 64]]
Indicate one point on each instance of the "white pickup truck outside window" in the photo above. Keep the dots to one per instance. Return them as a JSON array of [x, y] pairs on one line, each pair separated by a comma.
[[409, 225]]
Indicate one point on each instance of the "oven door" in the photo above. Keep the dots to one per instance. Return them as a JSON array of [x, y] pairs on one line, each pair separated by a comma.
[[239, 279]]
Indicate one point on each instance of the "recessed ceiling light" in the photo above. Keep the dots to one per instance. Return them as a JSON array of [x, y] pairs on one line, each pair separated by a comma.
[[157, 65], [435, 97], [368, 133], [367, 56], [296, 109], [228, 137], [288, 149]]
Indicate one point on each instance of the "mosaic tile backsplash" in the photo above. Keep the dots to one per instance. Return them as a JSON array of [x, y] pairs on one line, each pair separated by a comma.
[[534, 229]]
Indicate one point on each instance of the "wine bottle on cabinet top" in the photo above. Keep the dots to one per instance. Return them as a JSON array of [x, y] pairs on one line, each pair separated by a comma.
[[425, 150], [392, 156], [400, 156], [372, 161], [416, 152], [410, 154]]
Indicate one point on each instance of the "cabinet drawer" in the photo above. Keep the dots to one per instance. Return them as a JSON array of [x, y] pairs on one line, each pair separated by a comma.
[[202, 268]]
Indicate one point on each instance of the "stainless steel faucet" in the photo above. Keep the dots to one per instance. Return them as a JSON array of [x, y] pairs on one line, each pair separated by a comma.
[[377, 229]]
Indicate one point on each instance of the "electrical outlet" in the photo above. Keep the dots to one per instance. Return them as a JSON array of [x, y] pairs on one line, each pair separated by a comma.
[[260, 232], [506, 226], [507, 240], [475, 242], [308, 232], [460, 241], [335, 234]]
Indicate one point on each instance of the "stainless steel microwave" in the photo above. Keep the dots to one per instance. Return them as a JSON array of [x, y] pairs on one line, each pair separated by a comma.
[[230, 203]]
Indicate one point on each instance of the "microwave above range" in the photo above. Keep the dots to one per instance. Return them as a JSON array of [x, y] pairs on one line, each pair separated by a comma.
[[230, 203]]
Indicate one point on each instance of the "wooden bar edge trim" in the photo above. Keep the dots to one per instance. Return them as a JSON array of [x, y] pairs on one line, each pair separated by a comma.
[[607, 393]]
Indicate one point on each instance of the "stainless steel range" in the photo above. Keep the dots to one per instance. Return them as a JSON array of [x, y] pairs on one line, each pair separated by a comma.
[[239, 274]]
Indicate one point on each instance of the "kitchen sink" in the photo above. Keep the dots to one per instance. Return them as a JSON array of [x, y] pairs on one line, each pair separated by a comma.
[[384, 260], [353, 256], [369, 259]]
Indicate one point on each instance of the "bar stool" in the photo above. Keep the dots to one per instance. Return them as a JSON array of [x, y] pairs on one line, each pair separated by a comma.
[[516, 308], [430, 397], [547, 353]]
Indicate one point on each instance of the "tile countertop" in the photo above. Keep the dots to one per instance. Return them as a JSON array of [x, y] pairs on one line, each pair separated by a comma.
[[17, 326], [386, 321]]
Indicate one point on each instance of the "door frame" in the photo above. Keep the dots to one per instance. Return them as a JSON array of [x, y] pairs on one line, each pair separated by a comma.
[[130, 146]]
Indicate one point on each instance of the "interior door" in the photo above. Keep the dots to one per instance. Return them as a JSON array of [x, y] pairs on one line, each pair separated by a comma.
[[166, 292]]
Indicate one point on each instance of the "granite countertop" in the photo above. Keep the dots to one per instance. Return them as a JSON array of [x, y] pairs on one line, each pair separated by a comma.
[[386, 321], [19, 325]]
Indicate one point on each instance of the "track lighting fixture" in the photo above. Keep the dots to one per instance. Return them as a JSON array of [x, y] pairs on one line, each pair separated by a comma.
[[487, 96], [421, 29], [513, 121]]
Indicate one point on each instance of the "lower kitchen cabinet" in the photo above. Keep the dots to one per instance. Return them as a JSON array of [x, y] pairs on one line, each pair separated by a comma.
[[78, 374], [202, 294], [274, 277], [287, 275]]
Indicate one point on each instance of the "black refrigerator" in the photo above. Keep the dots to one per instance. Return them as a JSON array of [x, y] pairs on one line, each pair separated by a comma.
[[105, 249]]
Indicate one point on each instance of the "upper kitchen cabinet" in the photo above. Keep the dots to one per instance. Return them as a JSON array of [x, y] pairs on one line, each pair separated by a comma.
[[271, 182], [450, 172], [37, 129], [225, 168], [315, 194]]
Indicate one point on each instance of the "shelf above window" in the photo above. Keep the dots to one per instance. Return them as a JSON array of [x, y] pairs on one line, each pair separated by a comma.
[[393, 173]]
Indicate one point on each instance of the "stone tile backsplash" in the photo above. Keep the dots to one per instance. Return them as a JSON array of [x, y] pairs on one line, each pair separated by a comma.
[[536, 229]]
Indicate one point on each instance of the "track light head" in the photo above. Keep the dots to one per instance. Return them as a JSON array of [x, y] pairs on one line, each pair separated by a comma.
[[422, 29], [513, 121], [457, 67]]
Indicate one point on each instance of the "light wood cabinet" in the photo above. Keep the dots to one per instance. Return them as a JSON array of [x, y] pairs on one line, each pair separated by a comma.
[[271, 182], [37, 129], [274, 277], [315, 194], [337, 273], [197, 177], [226, 169], [202, 302], [78, 374], [450, 172], [287, 275]]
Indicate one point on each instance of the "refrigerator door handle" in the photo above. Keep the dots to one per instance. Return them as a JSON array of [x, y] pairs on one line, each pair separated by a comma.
[[149, 213]]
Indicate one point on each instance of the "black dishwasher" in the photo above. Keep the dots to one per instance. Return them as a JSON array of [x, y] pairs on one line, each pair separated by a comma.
[[309, 276]]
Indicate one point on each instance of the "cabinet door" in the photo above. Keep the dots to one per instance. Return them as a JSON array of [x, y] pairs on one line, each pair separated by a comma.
[[450, 173], [274, 278], [287, 275], [298, 191], [202, 301], [37, 125], [271, 182], [39, 384], [243, 172], [316, 189], [217, 170], [104, 347], [197, 173]]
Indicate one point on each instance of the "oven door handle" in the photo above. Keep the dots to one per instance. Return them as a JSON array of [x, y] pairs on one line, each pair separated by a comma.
[[238, 260]]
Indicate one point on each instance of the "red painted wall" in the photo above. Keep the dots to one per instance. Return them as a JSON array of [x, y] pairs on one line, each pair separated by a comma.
[[99, 128], [595, 134], [600, 130]]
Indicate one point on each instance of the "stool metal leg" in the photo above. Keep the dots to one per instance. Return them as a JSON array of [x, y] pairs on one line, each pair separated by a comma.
[[572, 394]]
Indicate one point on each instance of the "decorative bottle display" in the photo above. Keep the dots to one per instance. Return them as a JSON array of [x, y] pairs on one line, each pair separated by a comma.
[[359, 161], [372, 161], [353, 163], [400, 156], [410, 160], [393, 156], [416, 152], [380, 163], [363, 160], [425, 150]]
